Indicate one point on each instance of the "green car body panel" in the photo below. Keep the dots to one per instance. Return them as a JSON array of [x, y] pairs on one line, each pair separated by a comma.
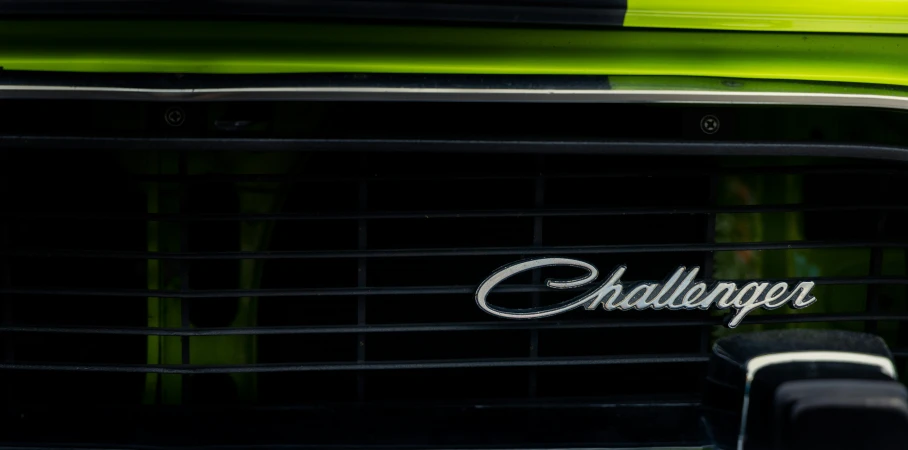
[[261, 48], [829, 16]]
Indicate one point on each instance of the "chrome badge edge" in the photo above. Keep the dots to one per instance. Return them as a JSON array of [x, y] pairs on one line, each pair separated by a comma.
[[678, 291]]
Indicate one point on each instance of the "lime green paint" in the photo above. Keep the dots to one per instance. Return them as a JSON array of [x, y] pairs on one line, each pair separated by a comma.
[[650, 83], [162, 312], [251, 236], [838, 16], [254, 236], [165, 197], [226, 47]]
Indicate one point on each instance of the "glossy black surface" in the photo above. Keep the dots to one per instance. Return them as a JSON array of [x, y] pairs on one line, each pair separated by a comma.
[[501, 12]]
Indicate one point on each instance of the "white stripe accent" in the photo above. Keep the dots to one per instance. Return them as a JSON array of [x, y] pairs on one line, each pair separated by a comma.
[[884, 363]]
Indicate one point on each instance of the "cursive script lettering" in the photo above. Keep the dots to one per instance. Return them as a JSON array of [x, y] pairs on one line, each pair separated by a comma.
[[678, 291]]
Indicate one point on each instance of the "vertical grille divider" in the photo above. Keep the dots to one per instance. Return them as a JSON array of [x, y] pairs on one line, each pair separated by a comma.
[[9, 350], [876, 265], [361, 244], [5, 278], [538, 203], [708, 260], [9, 353], [185, 303], [876, 270]]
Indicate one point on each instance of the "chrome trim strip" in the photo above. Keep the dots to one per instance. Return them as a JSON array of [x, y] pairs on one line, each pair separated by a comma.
[[835, 95]]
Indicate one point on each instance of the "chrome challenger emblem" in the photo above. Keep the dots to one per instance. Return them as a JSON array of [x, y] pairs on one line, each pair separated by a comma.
[[679, 291]]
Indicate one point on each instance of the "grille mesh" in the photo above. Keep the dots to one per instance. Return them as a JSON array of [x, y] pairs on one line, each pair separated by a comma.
[[346, 279]]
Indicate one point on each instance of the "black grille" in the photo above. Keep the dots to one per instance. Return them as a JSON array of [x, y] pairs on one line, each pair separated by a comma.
[[250, 298]]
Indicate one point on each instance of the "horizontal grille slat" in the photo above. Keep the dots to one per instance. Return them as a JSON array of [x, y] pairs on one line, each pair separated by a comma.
[[370, 366], [781, 208], [688, 173], [468, 147], [450, 252], [385, 291], [475, 326]]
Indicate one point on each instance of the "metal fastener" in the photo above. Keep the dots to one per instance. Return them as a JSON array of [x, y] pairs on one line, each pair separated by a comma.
[[709, 124], [174, 116]]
